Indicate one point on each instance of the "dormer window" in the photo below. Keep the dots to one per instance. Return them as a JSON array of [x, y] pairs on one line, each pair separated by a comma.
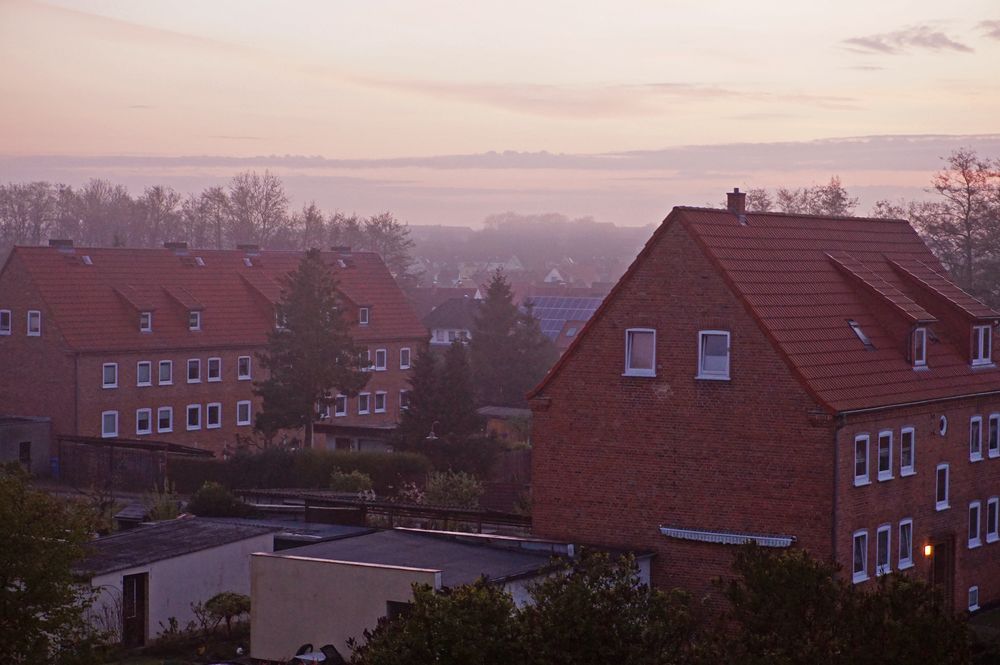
[[145, 322], [920, 348], [194, 320], [363, 313], [982, 345]]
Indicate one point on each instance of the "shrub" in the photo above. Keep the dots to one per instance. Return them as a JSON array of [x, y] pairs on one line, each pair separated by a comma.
[[163, 504], [455, 489], [228, 607], [355, 481], [214, 500]]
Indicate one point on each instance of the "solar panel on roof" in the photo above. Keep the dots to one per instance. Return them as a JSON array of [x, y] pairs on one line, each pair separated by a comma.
[[552, 312]]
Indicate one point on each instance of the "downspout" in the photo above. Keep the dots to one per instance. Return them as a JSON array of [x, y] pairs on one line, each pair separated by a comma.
[[841, 423]]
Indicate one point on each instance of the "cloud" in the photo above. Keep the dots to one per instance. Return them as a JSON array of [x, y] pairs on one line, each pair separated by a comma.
[[900, 41], [990, 28]]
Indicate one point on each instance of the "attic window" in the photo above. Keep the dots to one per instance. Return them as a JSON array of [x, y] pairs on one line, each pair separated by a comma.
[[640, 352], [200, 262], [342, 263], [363, 316], [856, 327], [145, 322], [87, 261], [571, 332], [248, 262], [982, 345], [920, 348], [194, 320]]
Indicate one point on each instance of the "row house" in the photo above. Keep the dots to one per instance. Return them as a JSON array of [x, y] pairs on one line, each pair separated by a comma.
[[164, 343], [798, 381]]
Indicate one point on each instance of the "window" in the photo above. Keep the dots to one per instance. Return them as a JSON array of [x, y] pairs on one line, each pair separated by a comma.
[[109, 377], [713, 354], [340, 406], [363, 316], [194, 371], [404, 400], [143, 421], [943, 425], [243, 412], [215, 369], [905, 544], [145, 322], [992, 516], [166, 372], [194, 320], [941, 492], [883, 542], [381, 358], [982, 345], [907, 452], [920, 348], [975, 539], [365, 360], [165, 419], [861, 460], [243, 368], [380, 402], [364, 400], [860, 334], [404, 358], [34, 323], [4, 321], [994, 435], [973, 598], [193, 417], [640, 352], [885, 455], [109, 424], [144, 373], [213, 416], [975, 439], [860, 569]]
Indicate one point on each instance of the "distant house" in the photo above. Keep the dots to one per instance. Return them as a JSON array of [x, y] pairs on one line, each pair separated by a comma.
[[454, 319], [27, 441], [426, 299], [797, 381]]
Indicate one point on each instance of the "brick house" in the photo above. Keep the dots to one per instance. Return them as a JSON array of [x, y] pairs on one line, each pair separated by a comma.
[[163, 343], [814, 382]]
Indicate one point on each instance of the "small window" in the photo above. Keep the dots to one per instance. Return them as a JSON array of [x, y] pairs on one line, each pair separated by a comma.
[[381, 359], [243, 368], [993, 435], [941, 489], [856, 327], [992, 515], [109, 377], [109, 424], [144, 421], [943, 425], [280, 319], [885, 455], [194, 320], [861, 460], [363, 316], [364, 403], [340, 406], [145, 322], [920, 348], [34, 323], [907, 452], [215, 369], [4, 321], [640, 352], [982, 345], [366, 360], [144, 373], [404, 358], [860, 569], [193, 417], [165, 419], [905, 544], [379, 402], [404, 400], [975, 539], [194, 371], [166, 372], [713, 354], [883, 549], [973, 598], [243, 412], [213, 416], [975, 439]]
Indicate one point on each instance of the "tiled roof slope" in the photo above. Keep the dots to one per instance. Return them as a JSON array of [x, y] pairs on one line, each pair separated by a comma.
[[95, 306]]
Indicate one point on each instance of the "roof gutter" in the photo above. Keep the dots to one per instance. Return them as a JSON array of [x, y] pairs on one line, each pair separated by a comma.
[[886, 407]]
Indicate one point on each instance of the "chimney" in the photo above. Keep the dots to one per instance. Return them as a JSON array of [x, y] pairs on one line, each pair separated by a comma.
[[62, 244], [736, 201]]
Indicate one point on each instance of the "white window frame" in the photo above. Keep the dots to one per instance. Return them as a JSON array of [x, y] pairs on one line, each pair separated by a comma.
[[196, 363], [636, 371], [384, 365], [993, 436], [976, 538], [169, 364], [149, 369], [105, 433], [919, 350], [911, 468], [145, 322], [169, 410], [240, 405], [37, 315], [192, 408], [976, 436], [858, 576], [404, 396], [218, 415], [973, 598], [942, 505], [208, 370], [367, 402], [887, 568], [385, 401], [194, 320], [364, 316], [993, 526], [905, 562], [722, 375], [861, 479], [6, 317], [982, 345], [149, 421], [404, 353], [884, 475], [104, 375], [239, 368], [337, 402]]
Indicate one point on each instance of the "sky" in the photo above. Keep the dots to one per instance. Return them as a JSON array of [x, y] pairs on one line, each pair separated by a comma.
[[445, 112]]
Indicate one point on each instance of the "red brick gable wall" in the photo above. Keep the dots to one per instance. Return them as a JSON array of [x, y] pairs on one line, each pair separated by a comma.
[[616, 457]]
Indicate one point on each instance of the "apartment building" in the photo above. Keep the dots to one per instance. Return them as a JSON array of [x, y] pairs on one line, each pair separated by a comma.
[[164, 343]]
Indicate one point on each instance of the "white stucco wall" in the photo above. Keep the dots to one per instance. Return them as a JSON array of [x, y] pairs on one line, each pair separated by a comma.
[[174, 584]]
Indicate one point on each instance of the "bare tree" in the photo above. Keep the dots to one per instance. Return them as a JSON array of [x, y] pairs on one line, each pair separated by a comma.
[[759, 200], [829, 199], [157, 216], [390, 239], [258, 207], [345, 231], [310, 227]]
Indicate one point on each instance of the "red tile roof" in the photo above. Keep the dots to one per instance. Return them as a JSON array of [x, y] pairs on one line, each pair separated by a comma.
[[95, 306]]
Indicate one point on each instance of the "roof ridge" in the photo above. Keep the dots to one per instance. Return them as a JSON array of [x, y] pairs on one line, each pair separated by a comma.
[[797, 215]]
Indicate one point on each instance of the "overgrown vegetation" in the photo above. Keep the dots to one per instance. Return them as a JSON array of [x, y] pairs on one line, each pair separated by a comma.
[[214, 500], [454, 489], [355, 481]]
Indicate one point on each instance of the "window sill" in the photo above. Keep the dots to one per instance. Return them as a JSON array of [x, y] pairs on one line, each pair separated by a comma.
[[885, 570], [219, 380], [993, 454], [164, 431], [143, 385], [858, 578], [904, 566], [197, 381], [920, 368], [640, 373], [862, 482], [973, 544], [976, 458], [243, 378], [884, 477], [143, 433], [983, 365], [712, 377], [213, 426], [109, 387], [992, 539], [166, 383], [907, 473], [242, 424], [941, 506], [339, 415]]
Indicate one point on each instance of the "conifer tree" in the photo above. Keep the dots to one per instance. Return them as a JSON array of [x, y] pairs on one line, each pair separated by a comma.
[[440, 399], [418, 419]]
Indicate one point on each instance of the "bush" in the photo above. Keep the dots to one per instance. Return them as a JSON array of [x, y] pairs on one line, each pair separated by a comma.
[[214, 500], [355, 481], [453, 489], [475, 455]]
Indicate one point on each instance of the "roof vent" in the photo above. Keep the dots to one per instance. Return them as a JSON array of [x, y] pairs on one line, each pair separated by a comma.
[[62, 244], [736, 202]]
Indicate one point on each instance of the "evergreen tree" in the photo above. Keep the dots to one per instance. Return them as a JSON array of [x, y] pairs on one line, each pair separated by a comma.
[[457, 416], [310, 357], [416, 421]]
